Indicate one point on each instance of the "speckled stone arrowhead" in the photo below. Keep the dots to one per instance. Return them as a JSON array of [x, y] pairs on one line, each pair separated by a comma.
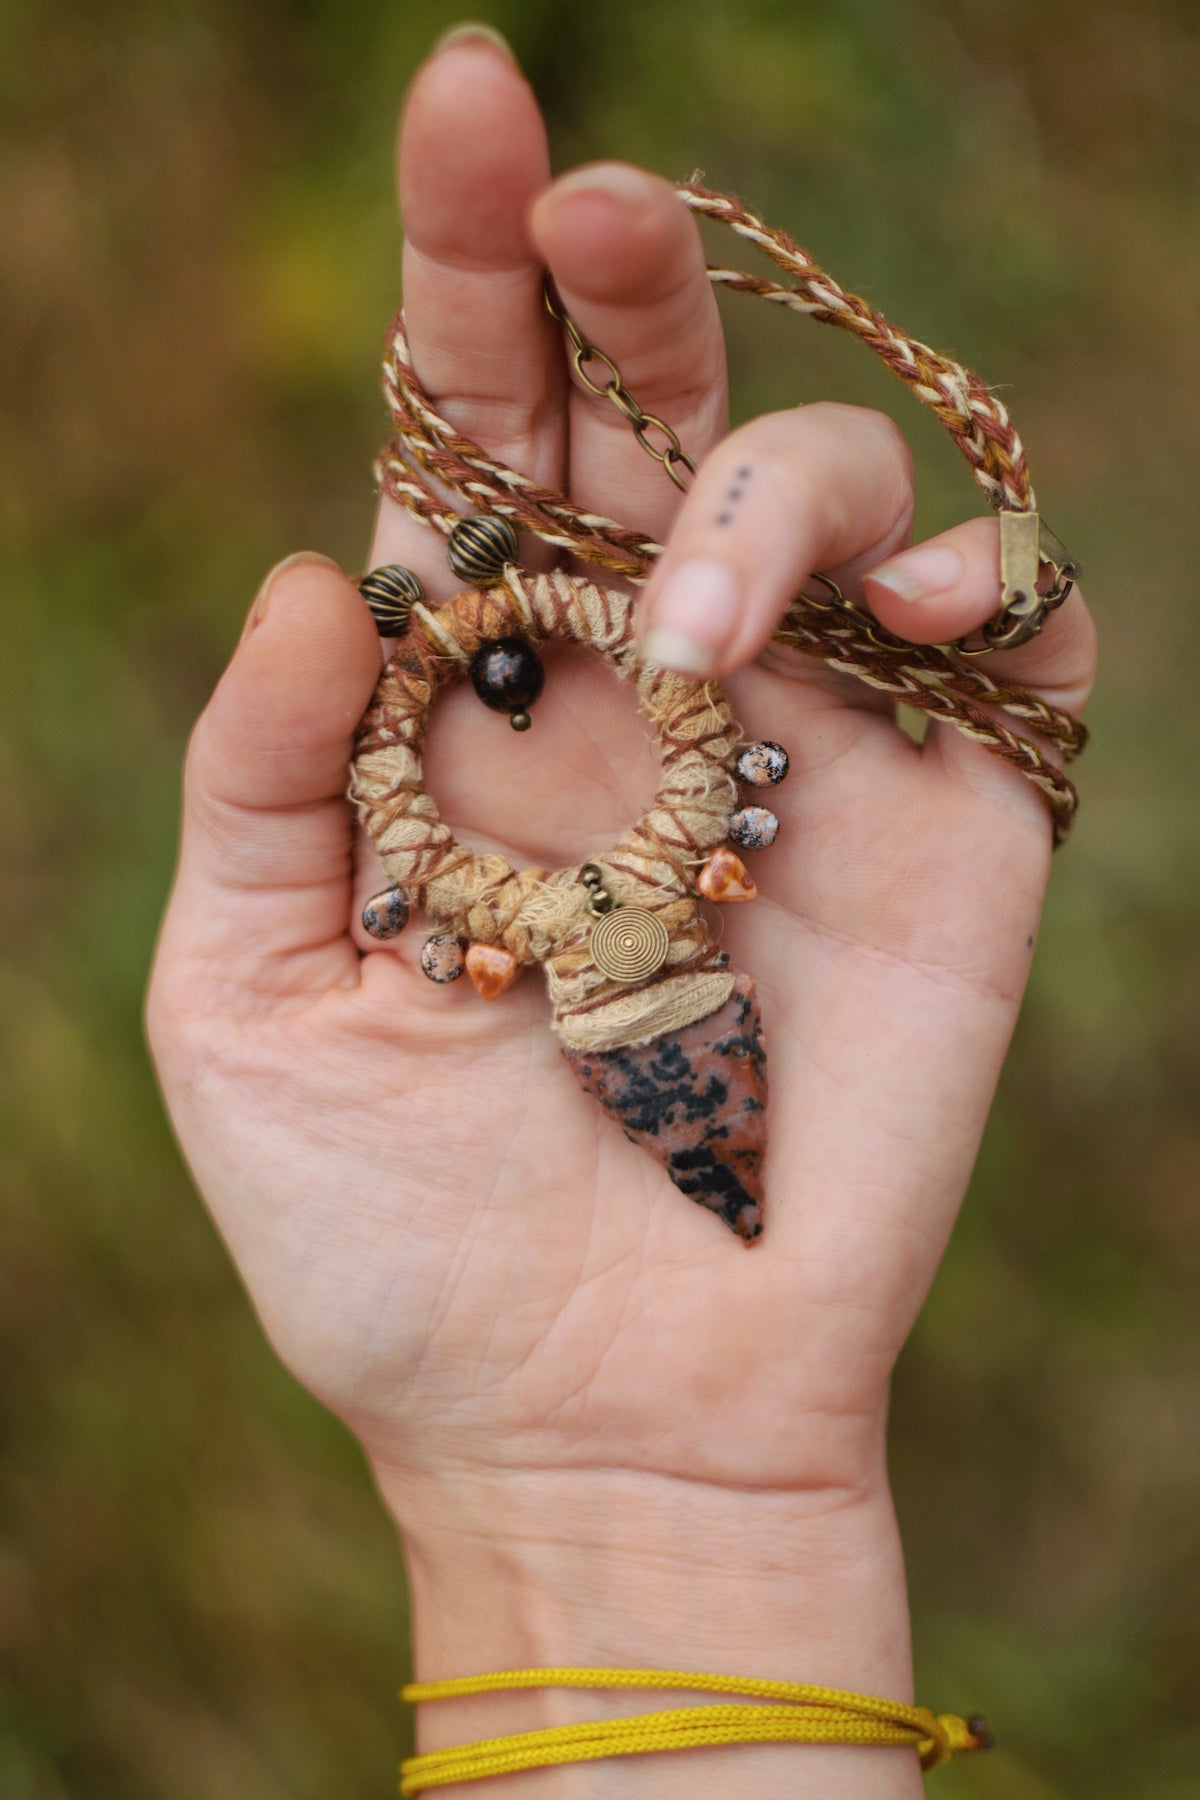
[[696, 1100]]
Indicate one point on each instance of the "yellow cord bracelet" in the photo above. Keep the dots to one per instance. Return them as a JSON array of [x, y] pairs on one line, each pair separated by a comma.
[[800, 1715]]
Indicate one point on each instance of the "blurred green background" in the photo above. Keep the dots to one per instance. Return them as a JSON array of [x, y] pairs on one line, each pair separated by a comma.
[[199, 1596]]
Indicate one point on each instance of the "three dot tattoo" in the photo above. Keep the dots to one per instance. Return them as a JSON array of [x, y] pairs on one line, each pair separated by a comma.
[[725, 517]]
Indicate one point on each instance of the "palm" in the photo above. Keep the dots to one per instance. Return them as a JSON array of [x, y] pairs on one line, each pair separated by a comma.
[[474, 1236], [446, 1239]]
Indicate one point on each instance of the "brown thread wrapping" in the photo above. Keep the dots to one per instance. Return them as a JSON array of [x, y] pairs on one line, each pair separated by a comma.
[[932, 679], [541, 916]]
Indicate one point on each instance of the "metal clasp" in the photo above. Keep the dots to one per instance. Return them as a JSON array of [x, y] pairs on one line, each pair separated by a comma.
[[1027, 544]]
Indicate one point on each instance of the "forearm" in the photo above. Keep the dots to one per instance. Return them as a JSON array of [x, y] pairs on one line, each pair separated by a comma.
[[623, 1570]]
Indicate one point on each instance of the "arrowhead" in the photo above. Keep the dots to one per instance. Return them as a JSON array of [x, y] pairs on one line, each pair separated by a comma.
[[696, 1100]]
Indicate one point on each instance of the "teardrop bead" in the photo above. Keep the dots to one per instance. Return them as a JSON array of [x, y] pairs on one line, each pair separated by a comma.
[[754, 827], [442, 957], [386, 915], [762, 765]]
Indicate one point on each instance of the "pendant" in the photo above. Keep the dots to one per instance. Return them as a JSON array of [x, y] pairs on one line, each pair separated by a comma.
[[652, 1021], [696, 1100]]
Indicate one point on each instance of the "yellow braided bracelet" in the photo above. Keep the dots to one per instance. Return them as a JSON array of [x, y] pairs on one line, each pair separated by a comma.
[[800, 1715]]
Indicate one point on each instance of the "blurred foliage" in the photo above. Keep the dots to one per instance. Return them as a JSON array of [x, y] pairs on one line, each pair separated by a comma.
[[199, 1595]]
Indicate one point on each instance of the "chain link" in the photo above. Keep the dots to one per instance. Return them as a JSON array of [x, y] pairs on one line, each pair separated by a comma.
[[1013, 625], [671, 455], [1018, 622]]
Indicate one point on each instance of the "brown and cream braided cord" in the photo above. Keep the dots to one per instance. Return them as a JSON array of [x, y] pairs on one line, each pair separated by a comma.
[[936, 679]]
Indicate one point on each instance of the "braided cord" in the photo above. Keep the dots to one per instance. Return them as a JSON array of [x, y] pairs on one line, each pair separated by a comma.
[[795, 1713], [933, 679], [975, 419]]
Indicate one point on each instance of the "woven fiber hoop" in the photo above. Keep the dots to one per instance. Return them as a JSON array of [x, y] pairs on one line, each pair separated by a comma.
[[540, 915]]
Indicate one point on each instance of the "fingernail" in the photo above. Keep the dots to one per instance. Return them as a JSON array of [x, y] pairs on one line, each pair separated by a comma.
[[692, 617], [262, 600], [473, 31], [929, 570], [617, 180]]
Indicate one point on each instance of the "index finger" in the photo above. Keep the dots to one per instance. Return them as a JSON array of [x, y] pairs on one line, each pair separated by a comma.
[[472, 157]]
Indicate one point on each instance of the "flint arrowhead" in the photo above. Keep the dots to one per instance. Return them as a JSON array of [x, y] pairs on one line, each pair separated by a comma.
[[696, 1100]]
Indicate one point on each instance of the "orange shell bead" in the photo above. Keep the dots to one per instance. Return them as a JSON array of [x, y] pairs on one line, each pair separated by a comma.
[[492, 969], [724, 879]]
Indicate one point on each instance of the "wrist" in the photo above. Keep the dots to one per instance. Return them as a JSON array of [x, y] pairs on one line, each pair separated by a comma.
[[625, 1569]]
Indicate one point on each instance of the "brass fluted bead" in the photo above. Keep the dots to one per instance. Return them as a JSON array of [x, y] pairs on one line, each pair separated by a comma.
[[477, 549], [390, 593]]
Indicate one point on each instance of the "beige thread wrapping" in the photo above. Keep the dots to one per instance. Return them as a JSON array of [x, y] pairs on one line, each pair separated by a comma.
[[538, 915]]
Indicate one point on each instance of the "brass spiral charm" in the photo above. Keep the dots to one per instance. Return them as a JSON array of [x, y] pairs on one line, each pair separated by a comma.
[[629, 944]]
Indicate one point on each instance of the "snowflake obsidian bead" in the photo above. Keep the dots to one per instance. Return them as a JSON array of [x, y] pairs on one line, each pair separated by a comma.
[[386, 915], [753, 827], [762, 765], [443, 958]]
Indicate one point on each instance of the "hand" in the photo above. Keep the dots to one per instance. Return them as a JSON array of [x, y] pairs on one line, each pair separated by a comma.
[[609, 1433]]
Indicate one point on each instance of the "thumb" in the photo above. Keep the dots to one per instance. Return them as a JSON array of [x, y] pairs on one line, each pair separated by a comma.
[[266, 851]]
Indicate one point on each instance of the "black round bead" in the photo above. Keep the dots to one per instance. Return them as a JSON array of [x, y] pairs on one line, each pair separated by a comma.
[[508, 674], [389, 593], [477, 549]]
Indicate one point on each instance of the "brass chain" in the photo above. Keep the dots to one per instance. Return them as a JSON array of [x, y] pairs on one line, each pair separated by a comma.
[[1018, 620], [671, 455]]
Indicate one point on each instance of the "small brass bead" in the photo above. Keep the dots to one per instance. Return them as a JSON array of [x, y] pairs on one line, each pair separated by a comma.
[[390, 593], [520, 720], [600, 902], [477, 549], [592, 875]]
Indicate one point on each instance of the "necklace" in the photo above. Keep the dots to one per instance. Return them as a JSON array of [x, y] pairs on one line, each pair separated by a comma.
[[651, 1018]]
